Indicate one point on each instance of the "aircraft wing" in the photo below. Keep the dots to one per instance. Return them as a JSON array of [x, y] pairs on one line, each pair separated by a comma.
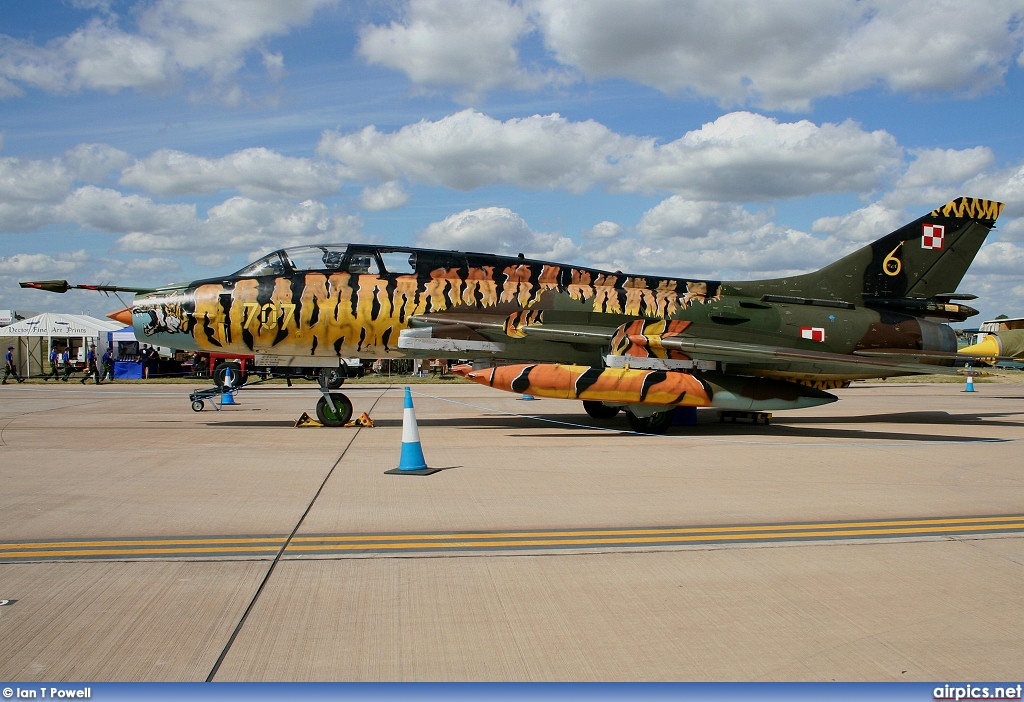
[[800, 360], [466, 333], [469, 332], [1004, 345], [906, 356]]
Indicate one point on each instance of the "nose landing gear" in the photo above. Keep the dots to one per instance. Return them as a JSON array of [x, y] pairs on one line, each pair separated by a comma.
[[334, 409]]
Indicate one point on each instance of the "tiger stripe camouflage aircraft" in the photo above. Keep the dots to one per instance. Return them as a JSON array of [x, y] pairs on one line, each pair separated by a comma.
[[639, 343]]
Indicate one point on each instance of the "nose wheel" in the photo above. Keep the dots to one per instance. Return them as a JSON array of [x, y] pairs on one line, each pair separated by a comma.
[[334, 409]]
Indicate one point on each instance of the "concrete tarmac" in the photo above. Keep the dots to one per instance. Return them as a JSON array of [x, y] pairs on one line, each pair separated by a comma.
[[877, 538]]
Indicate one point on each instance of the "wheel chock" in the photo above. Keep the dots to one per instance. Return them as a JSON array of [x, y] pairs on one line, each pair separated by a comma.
[[306, 421], [362, 420]]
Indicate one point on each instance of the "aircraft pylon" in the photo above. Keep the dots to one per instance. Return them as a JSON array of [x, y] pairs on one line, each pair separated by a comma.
[[412, 461]]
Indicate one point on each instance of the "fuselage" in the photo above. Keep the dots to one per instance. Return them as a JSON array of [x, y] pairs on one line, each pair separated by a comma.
[[646, 344], [323, 303]]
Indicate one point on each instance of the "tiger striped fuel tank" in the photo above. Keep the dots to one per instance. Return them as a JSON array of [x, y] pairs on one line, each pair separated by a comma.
[[630, 386], [585, 383]]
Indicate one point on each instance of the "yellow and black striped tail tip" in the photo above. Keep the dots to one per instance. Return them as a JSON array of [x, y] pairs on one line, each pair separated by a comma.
[[970, 208]]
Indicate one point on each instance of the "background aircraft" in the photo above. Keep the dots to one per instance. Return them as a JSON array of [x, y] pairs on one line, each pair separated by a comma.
[[645, 344], [1007, 344]]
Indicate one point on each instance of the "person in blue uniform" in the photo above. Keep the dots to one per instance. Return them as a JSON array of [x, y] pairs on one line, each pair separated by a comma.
[[108, 365], [10, 368], [91, 370], [54, 356], [65, 358]]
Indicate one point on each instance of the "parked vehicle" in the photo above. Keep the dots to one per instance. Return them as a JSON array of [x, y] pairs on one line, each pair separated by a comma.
[[217, 367]]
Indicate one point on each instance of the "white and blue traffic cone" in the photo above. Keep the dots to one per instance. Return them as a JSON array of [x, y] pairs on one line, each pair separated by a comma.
[[227, 395], [412, 461], [970, 384]]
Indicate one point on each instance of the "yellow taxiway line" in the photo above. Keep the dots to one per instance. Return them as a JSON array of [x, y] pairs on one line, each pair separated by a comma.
[[325, 545]]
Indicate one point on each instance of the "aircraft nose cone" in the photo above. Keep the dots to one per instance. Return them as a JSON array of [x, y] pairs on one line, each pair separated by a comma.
[[124, 316]]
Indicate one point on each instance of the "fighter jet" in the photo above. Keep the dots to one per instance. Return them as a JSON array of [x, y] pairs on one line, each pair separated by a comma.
[[645, 344], [1005, 345]]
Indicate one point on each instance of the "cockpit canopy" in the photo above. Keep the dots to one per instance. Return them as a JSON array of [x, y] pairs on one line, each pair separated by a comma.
[[334, 258]]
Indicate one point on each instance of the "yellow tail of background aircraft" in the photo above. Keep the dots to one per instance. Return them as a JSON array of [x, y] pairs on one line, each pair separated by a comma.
[[640, 343]]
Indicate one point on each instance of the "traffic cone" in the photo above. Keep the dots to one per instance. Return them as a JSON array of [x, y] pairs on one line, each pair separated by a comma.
[[527, 397], [412, 461], [970, 384], [227, 397]]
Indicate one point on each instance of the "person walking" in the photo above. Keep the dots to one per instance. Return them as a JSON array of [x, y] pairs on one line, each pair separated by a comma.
[[65, 358], [10, 368], [145, 357], [91, 370], [54, 356], [108, 366]]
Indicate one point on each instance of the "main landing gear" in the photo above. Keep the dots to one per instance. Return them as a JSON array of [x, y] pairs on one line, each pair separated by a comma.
[[649, 423], [657, 423], [599, 410]]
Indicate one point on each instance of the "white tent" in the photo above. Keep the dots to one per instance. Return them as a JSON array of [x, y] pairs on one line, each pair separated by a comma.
[[29, 334]]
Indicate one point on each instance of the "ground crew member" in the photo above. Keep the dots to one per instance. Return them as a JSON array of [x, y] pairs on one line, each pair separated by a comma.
[[54, 355], [65, 358], [91, 369], [108, 365], [10, 368], [146, 359]]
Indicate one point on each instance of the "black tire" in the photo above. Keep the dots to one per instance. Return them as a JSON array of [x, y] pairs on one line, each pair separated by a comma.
[[332, 378], [219, 373], [197, 406], [599, 410], [657, 423], [330, 418]]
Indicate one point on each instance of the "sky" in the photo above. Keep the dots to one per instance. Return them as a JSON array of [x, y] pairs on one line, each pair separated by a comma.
[[146, 143]]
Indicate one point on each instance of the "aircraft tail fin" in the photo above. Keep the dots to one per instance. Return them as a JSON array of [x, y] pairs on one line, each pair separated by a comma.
[[916, 268]]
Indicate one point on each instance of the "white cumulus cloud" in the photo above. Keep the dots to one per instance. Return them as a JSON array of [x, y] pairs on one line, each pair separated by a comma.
[[470, 150], [388, 196], [241, 224], [254, 171], [466, 44], [747, 156], [495, 230], [171, 38], [785, 55], [739, 156]]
